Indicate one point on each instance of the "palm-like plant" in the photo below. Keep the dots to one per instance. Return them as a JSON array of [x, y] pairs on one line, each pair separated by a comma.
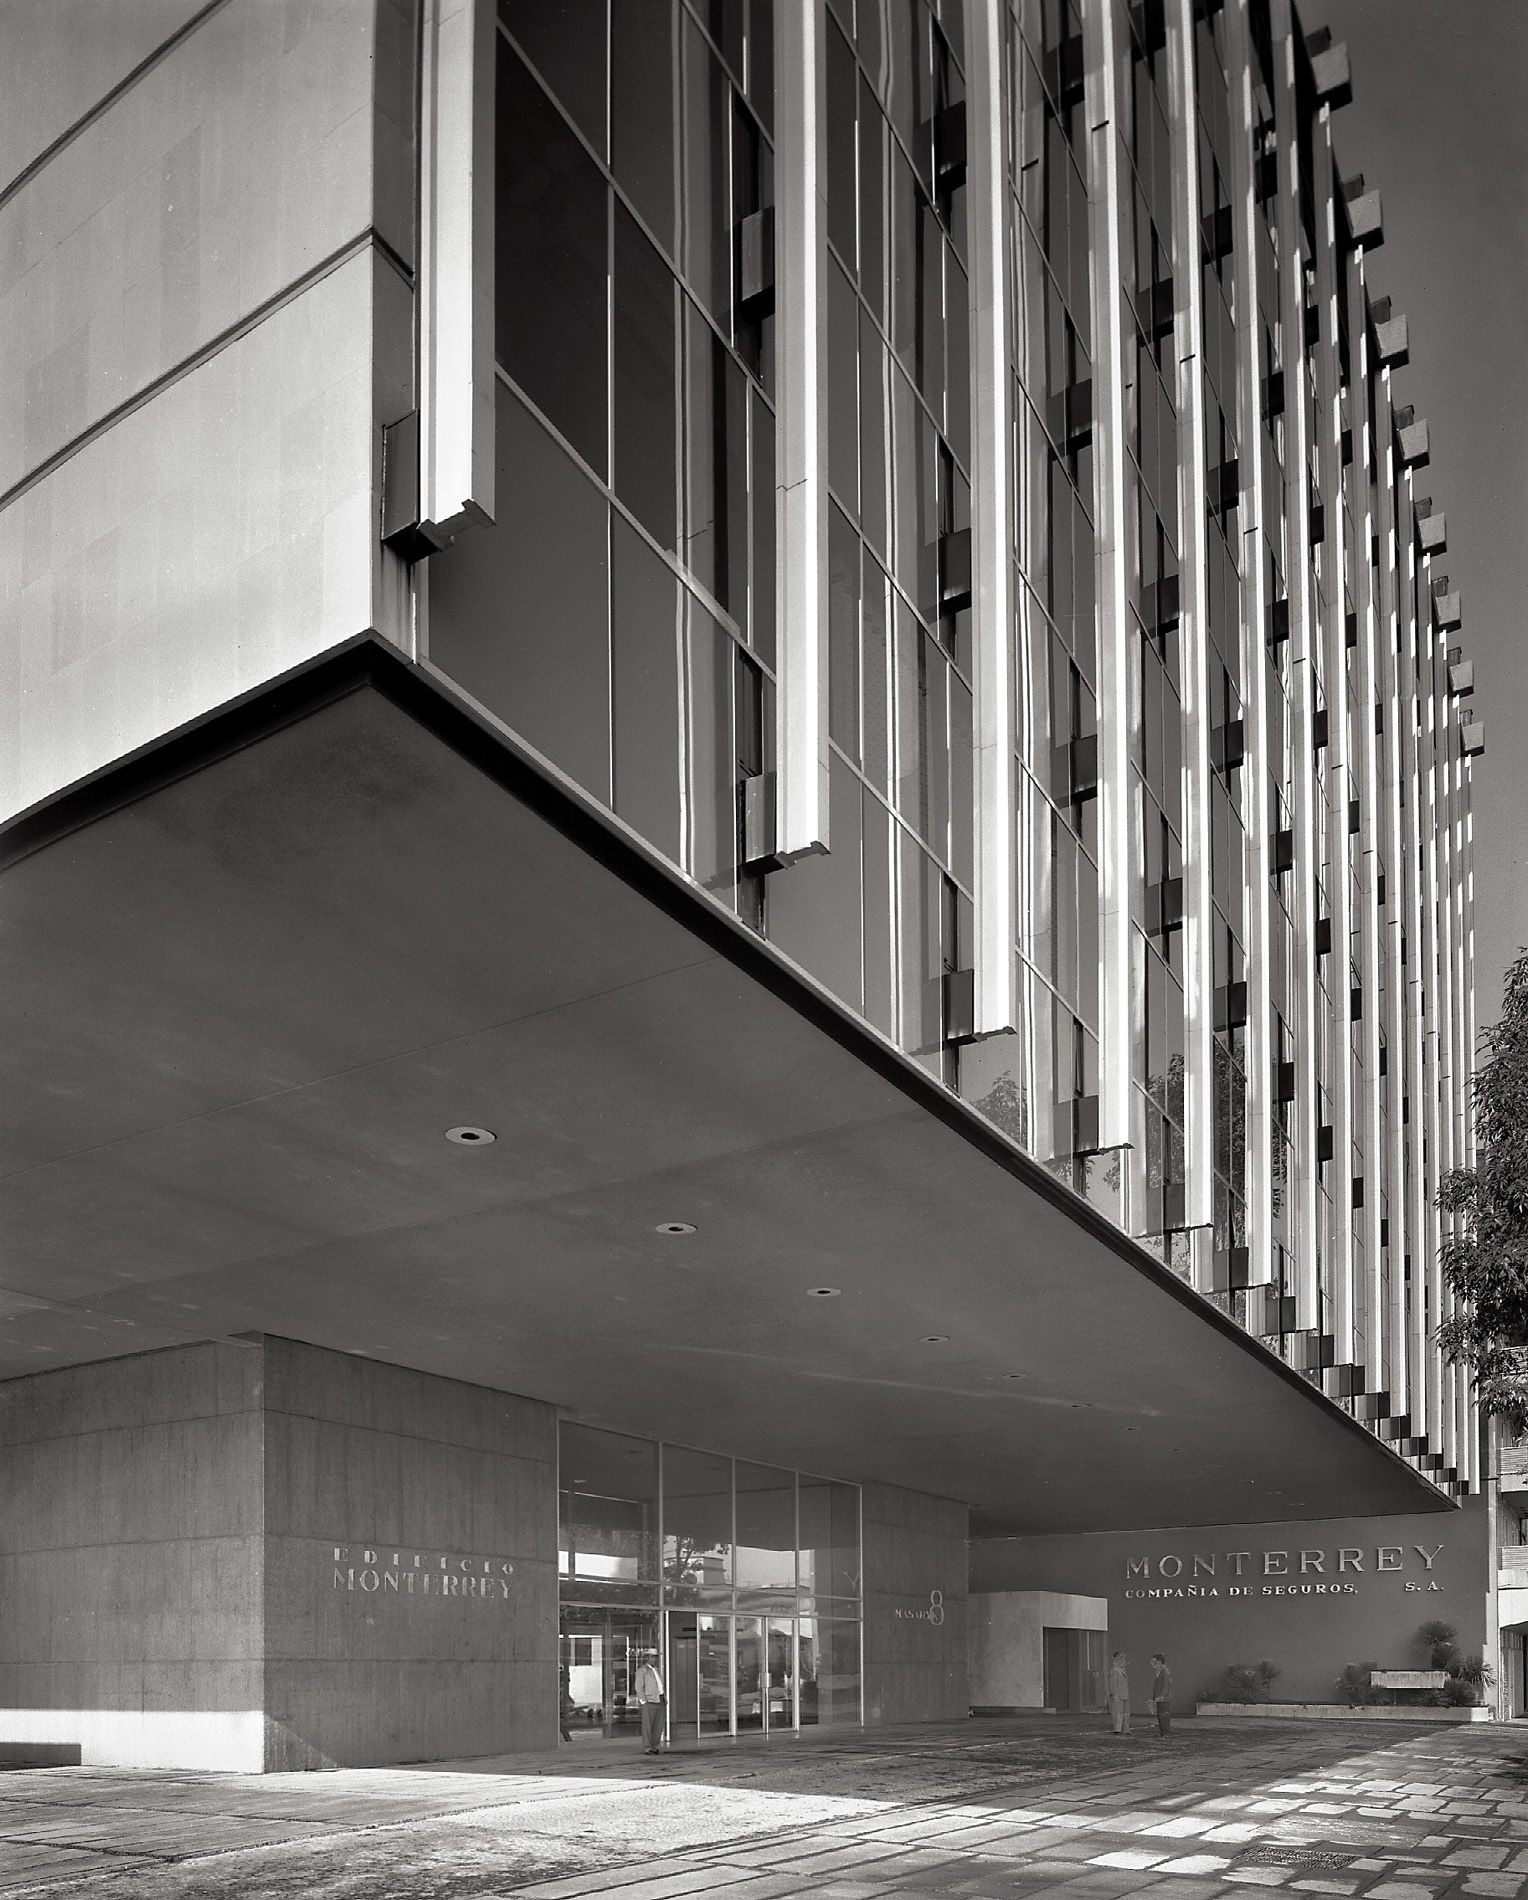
[[1439, 1639]]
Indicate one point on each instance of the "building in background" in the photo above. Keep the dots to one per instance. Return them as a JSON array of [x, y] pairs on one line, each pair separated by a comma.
[[738, 717]]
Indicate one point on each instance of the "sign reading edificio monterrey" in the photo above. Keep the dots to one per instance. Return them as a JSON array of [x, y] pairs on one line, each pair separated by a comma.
[[421, 1573]]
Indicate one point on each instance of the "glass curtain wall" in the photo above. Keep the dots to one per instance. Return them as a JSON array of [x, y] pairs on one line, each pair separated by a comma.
[[743, 1578], [621, 616], [636, 429], [887, 915]]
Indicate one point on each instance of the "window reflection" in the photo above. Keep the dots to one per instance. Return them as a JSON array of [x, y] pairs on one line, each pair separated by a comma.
[[766, 1528], [608, 1507], [830, 1540], [635, 315], [697, 1524], [551, 261]]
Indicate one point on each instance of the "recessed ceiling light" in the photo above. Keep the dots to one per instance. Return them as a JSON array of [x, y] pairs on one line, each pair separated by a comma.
[[936, 1339], [471, 1137], [674, 1227], [823, 1292]]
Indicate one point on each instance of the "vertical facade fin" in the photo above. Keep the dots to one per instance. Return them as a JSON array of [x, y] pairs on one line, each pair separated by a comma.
[[1109, 434], [802, 483], [993, 775], [1257, 531], [456, 266], [1199, 1053]]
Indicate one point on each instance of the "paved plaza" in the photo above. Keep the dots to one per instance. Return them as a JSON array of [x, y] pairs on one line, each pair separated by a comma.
[[1027, 1806]]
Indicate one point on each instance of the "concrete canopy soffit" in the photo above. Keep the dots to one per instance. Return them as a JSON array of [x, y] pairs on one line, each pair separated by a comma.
[[251, 980]]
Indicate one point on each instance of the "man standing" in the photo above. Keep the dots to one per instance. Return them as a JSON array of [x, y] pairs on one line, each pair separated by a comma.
[[1119, 1693], [651, 1696], [1162, 1696]]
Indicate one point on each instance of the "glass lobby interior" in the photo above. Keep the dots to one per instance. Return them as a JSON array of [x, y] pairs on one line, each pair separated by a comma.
[[743, 1582]]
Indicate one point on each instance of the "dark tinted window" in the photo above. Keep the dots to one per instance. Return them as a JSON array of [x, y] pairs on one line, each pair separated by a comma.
[[707, 193], [642, 108], [644, 657], [717, 503], [713, 754], [842, 83], [644, 380], [551, 261], [565, 41], [763, 532], [518, 611]]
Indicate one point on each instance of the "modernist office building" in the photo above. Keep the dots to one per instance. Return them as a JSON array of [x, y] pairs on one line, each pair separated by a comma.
[[739, 797]]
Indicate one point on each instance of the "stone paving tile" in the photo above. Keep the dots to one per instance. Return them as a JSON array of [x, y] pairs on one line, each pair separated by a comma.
[[587, 1883], [21, 1868], [838, 1858], [1097, 1884], [836, 1890], [943, 1813]]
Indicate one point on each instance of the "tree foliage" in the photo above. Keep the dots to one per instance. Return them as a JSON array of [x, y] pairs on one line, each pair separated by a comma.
[[1485, 1259]]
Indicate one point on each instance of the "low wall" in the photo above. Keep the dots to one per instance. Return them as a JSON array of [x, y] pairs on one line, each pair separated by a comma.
[[265, 1555], [1336, 1712], [410, 1564], [130, 1559]]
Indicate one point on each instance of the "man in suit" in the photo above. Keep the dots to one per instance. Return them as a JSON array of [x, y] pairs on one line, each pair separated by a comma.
[[1162, 1696], [1119, 1693], [651, 1697]]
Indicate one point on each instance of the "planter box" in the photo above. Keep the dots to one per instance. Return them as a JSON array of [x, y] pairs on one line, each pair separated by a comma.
[[1339, 1712]]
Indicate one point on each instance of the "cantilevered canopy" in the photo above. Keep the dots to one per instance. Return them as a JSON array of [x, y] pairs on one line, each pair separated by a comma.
[[251, 980]]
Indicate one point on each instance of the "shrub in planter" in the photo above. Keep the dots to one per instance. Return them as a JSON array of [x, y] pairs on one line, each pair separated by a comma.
[[1354, 1686], [1243, 1682], [1438, 1639], [1468, 1679], [1456, 1693]]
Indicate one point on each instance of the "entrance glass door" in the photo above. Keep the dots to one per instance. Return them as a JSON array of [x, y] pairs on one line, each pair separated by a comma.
[[700, 1676], [748, 1675], [731, 1675], [780, 1650], [598, 1655], [683, 1679], [1073, 1669], [764, 1674], [715, 1668]]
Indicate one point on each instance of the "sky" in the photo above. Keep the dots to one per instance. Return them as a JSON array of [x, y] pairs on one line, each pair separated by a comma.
[[1439, 123]]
